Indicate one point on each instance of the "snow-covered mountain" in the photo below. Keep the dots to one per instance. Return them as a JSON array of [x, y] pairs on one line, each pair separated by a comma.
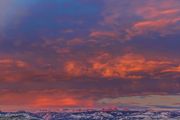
[[93, 115]]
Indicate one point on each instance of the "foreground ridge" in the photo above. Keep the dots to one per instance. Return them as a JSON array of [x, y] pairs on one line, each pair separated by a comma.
[[93, 115]]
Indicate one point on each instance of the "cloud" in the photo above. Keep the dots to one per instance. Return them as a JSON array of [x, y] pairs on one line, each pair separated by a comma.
[[73, 68], [147, 26], [103, 34], [13, 62], [148, 100], [172, 69], [142, 19], [9, 69], [127, 66], [49, 102], [45, 99]]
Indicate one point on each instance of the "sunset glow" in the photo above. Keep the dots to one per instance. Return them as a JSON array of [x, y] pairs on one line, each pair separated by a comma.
[[89, 53]]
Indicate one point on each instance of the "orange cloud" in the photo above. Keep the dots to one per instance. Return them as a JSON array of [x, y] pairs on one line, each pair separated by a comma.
[[154, 12], [146, 26], [61, 102], [50, 102], [73, 68], [128, 66], [11, 62], [151, 24], [11, 69], [161, 19], [6, 61], [42, 99], [172, 69], [21, 64], [154, 16]]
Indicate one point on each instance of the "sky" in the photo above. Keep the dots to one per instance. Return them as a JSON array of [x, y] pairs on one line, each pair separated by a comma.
[[89, 53]]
